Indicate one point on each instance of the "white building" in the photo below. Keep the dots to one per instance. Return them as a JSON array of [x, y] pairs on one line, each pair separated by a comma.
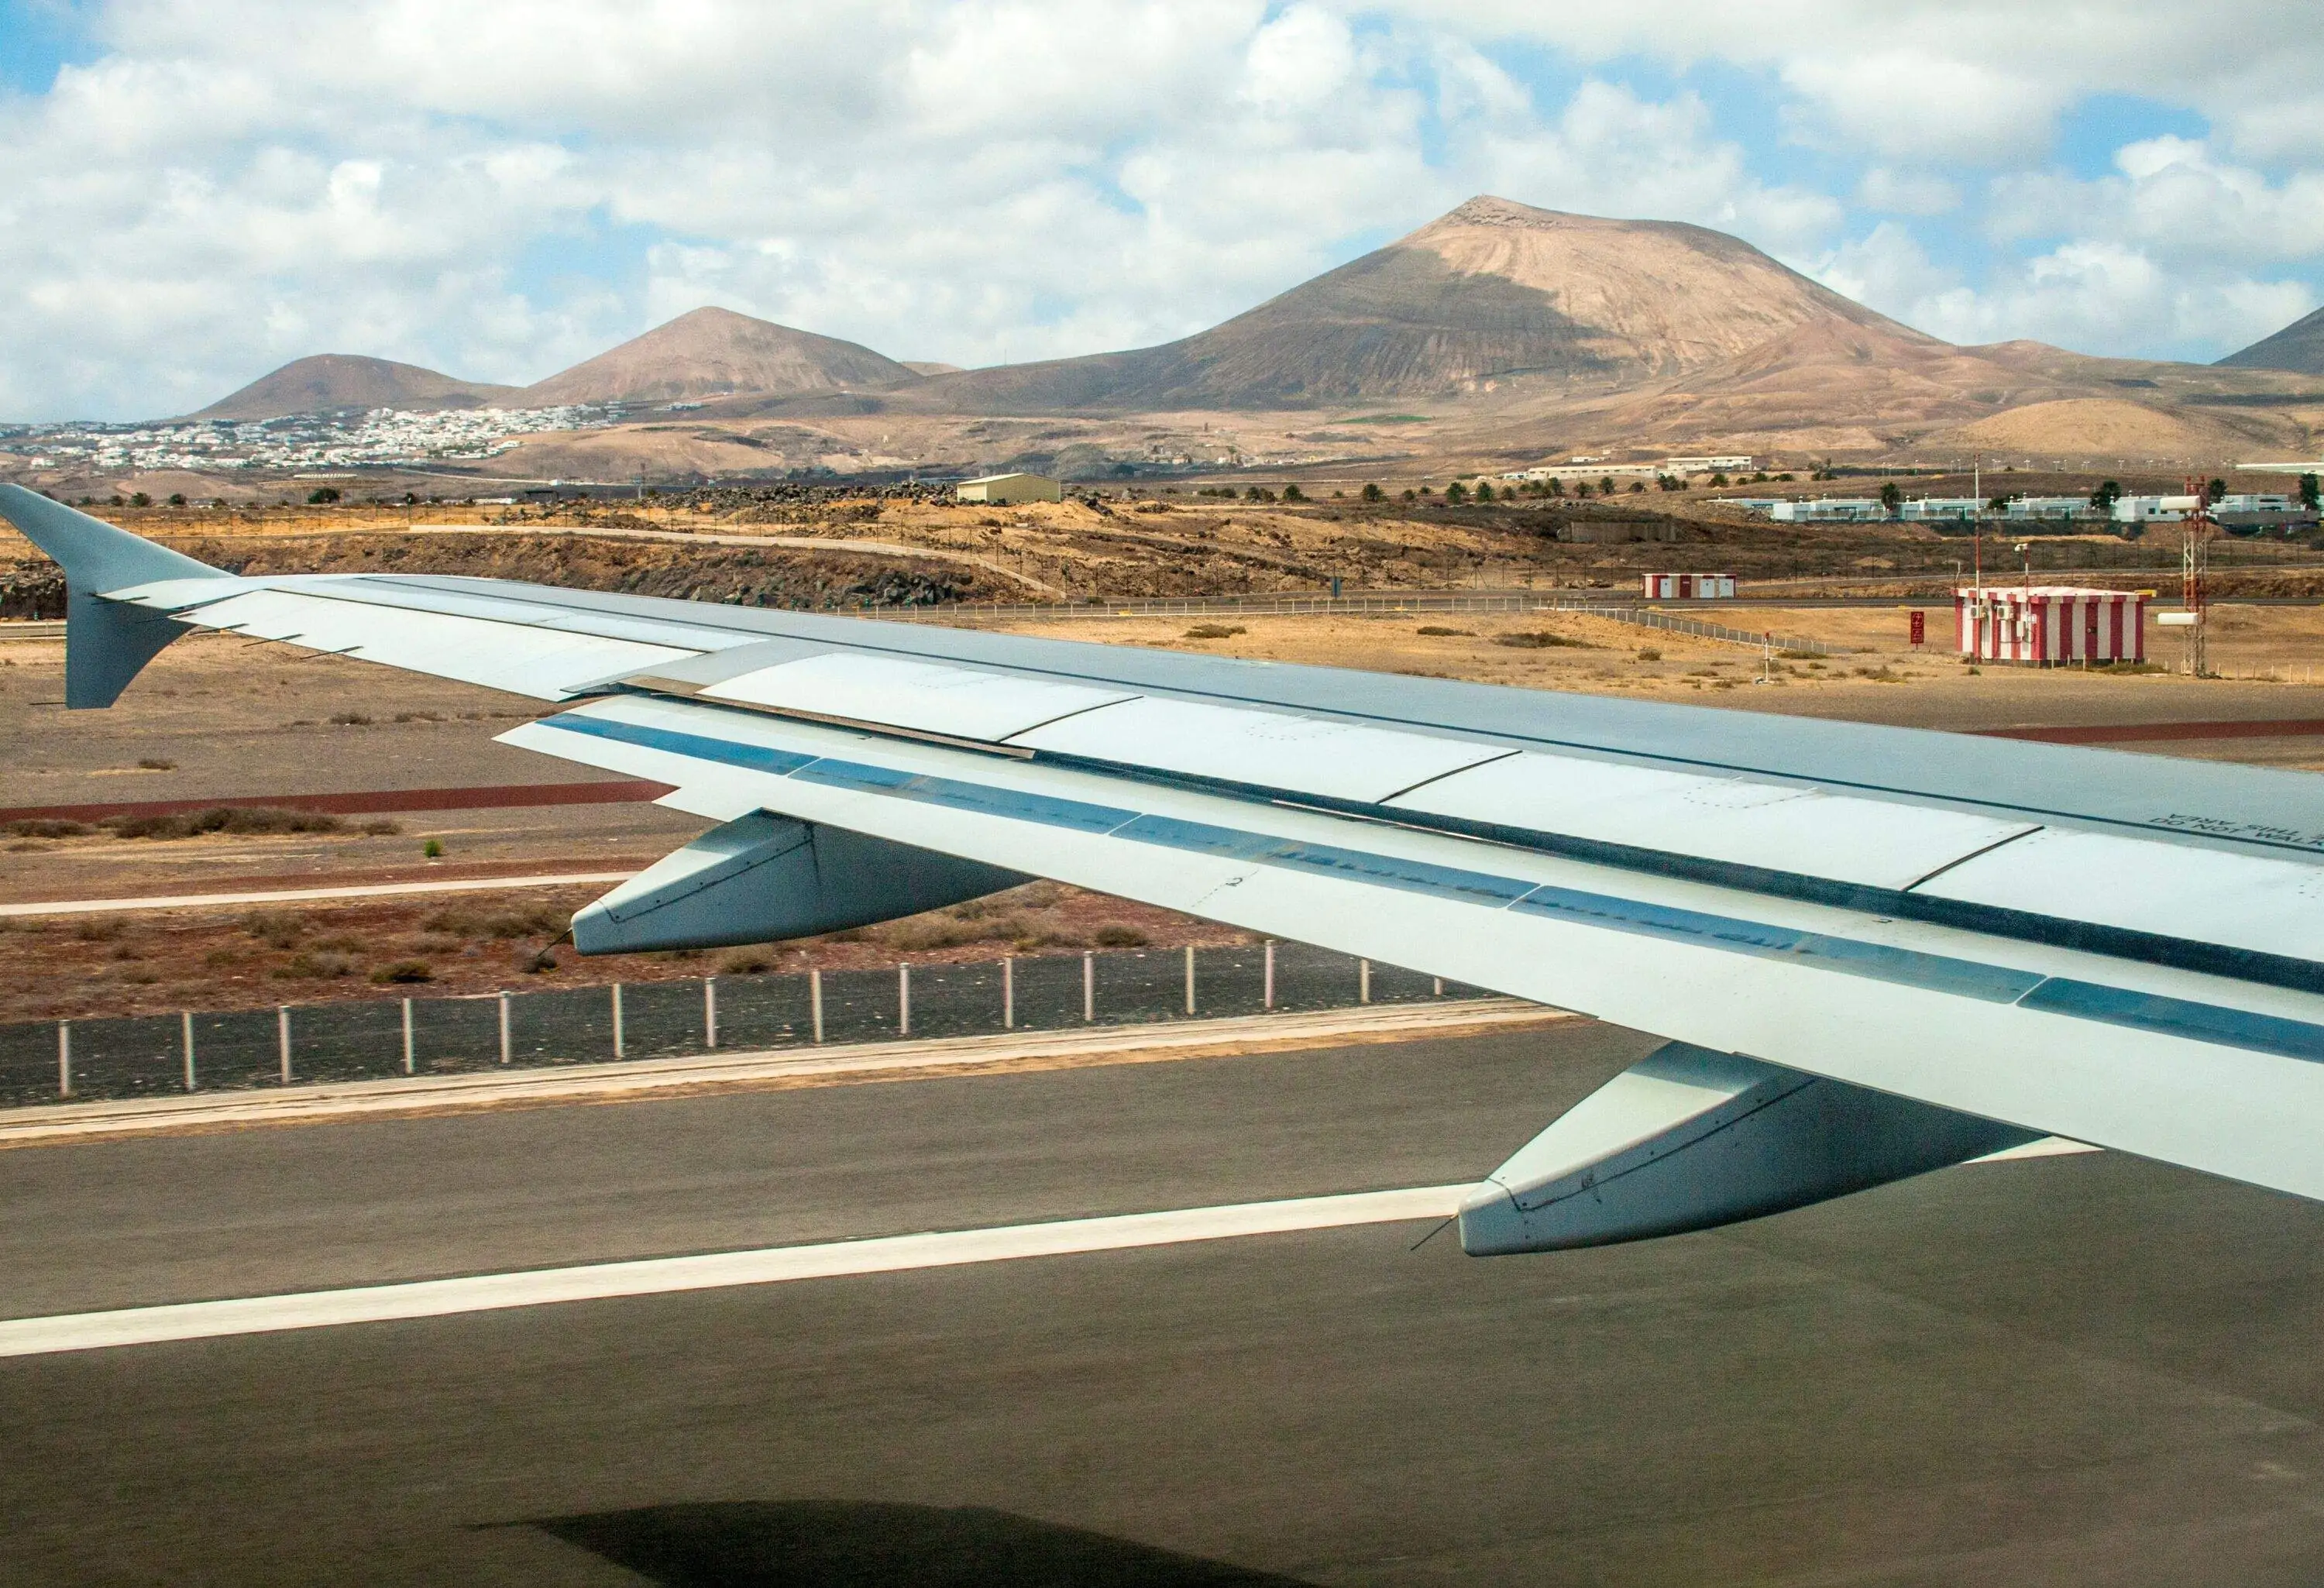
[[1828, 510], [1003, 489], [2237, 510]]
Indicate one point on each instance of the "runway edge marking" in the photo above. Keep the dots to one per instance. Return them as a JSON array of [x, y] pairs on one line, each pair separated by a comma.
[[50, 1125], [428, 1299]]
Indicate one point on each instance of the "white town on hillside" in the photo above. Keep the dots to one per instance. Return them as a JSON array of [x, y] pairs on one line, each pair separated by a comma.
[[382, 436]]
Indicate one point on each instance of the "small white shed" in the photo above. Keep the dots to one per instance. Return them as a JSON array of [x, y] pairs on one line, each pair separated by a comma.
[[1001, 490]]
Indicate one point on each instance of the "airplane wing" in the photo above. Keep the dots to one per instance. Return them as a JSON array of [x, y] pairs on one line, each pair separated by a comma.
[[1872, 951]]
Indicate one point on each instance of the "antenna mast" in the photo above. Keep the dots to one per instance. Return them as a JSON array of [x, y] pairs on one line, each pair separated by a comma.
[[1977, 520], [2194, 582]]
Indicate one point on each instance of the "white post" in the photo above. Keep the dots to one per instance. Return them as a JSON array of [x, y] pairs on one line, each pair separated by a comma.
[[64, 1058], [815, 1001], [710, 1011], [1007, 991], [1190, 978], [1363, 981], [903, 1001], [186, 1031], [1271, 973], [504, 1025], [410, 1065], [617, 1021], [283, 1039], [1440, 986], [1088, 987]]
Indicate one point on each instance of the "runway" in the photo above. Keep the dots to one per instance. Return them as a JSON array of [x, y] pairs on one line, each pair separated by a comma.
[[2076, 1369]]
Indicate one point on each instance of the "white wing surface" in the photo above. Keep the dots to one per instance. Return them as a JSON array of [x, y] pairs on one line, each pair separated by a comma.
[[2123, 950]]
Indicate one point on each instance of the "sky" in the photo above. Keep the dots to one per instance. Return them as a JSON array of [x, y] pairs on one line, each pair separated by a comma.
[[193, 192]]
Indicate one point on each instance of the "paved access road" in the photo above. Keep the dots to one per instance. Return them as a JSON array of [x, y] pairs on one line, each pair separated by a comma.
[[2066, 1369]]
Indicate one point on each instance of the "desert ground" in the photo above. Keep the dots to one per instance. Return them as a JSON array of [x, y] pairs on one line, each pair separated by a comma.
[[832, 551]]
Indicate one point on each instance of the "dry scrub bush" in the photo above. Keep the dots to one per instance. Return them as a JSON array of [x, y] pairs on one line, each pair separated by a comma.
[[503, 926], [239, 820]]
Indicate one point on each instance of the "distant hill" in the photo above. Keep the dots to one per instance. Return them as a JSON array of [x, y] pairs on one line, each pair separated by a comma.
[[339, 382], [716, 353], [1493, 289], [2298, 347]]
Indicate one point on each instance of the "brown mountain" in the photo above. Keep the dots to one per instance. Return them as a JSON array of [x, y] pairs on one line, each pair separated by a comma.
[[1493, 289], [339, 382], [2299, 346], [717, 353]]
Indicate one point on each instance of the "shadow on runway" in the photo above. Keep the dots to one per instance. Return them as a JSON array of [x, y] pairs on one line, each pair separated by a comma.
[[850, 1544]]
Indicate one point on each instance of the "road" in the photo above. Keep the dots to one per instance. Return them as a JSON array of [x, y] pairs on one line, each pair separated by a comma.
[[495, 884], [2060, 1370]]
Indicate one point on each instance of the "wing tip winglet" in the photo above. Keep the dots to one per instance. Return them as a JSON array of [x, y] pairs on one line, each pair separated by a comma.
[[106, 643]]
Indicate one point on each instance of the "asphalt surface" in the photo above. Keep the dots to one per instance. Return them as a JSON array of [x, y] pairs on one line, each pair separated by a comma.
[[2072, 1369]]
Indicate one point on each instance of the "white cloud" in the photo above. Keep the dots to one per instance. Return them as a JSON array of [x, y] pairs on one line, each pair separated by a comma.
[[1976, 81], [2093, 295]]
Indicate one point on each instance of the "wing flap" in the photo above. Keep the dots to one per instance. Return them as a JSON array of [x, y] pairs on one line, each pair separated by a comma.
[[1262, 749], [960, 702], [1772, 827]]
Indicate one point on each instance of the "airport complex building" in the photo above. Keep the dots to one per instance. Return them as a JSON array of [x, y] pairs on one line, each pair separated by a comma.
[[1001, 490], [2235, 510]]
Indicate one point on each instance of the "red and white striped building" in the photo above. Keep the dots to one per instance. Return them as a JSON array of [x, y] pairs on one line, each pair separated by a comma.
[[2051, 626]]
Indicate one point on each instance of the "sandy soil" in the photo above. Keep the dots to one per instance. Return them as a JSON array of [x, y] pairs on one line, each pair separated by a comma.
[[1881, 678], [213, 959]]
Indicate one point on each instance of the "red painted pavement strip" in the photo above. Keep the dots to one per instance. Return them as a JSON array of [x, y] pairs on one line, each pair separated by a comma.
[[2299, 727], [497, 797]]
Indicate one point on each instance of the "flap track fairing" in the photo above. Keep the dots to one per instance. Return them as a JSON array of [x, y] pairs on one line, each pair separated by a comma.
[[762, 879]]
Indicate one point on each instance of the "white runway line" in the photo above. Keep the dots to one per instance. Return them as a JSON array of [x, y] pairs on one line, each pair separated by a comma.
[[2046, 1146], [295, 895], [428, 1299]]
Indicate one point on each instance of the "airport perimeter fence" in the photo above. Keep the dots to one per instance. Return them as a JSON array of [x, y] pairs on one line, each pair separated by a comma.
[[1417, 603], [161, 1055]]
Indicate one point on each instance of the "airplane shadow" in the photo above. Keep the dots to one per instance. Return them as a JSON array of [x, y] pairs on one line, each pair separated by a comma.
[[856, 1544]]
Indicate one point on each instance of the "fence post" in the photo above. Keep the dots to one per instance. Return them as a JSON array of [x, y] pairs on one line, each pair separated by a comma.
[[710, 1011], [1440, 986], [185, 1031], [504, 1025], [410, 1065], [283, 1039], [617, 1021], [64, 1058], [815, 1001], [1089, 988], [1007, 991], [1269, 982], [1190, 978], [1363, 981], [903, 1001]]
